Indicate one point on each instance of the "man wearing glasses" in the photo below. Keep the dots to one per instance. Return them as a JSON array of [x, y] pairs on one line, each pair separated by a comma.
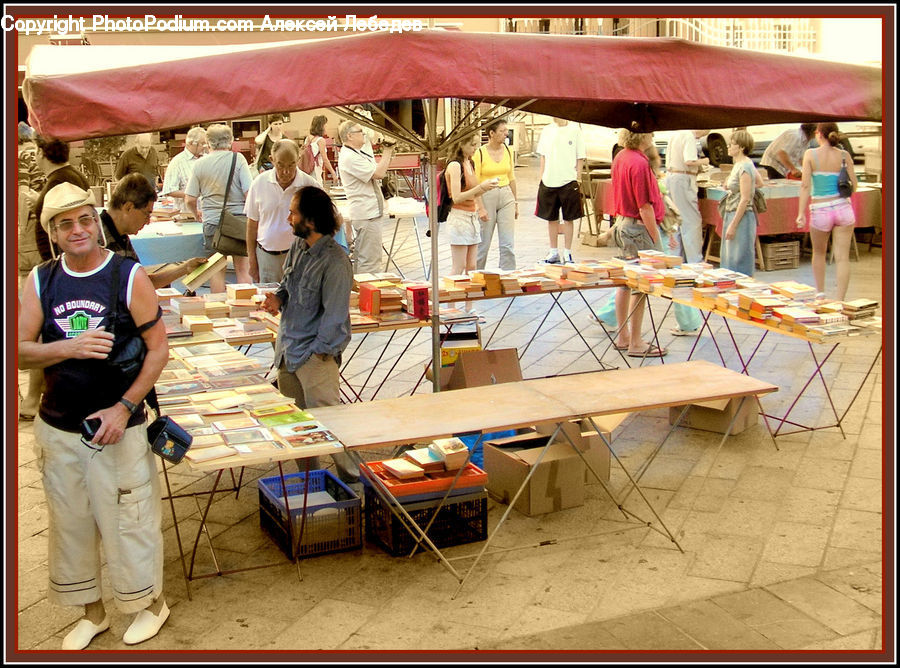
[[104, 487], [361, 175], [178, 171], [130, 207]]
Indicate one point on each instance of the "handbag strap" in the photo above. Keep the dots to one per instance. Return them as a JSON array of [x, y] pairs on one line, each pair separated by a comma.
[[228, 183], [151, 398]]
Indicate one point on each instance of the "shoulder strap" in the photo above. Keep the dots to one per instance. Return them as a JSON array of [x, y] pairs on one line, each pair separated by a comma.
[[116, 263], [228, 182]]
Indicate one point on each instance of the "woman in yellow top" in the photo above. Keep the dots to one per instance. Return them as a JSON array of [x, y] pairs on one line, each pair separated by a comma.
[[499, 207]]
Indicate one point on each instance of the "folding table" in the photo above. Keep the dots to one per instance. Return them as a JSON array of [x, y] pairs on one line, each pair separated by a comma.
[[558, 399]]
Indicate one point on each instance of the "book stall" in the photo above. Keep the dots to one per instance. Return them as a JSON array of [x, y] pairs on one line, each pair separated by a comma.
[[787, 308]]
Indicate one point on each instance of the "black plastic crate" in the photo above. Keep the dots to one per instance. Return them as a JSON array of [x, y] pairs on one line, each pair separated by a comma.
[[462, 519], [329, 527]]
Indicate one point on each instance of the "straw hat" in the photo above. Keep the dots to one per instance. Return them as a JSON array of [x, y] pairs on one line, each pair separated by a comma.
[[62, 198]]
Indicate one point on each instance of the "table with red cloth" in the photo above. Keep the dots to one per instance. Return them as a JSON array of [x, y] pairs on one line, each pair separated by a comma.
[[783, 201]]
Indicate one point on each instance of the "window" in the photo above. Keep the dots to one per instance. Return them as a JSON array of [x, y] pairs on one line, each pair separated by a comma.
[[735, 36], [544, 26], [579, 27], [510, 25], [782, 37]]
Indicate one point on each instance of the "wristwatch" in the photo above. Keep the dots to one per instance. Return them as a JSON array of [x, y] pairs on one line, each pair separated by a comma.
[[131, 406]]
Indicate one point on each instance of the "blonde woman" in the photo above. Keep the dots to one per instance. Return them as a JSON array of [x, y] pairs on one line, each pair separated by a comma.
[[739, 222], [830, 214], [501, 209]]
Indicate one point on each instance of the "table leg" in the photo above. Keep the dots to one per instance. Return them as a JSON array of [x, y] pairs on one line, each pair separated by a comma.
[[508, 509], [390, 253], [396, 362], [203, 528], [556, 302], [187, 581]]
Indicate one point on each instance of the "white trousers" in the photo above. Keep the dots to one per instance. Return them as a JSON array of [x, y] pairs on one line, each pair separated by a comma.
[[368, 246], [683, 191], [111, 495]]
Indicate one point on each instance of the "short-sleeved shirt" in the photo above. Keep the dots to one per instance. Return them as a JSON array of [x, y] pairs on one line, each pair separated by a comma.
[[682, 149], [561, 146], [792, 142], [178, 172], [269, 204], [208, 183], [634, 185], [363, 192], [131, 161]]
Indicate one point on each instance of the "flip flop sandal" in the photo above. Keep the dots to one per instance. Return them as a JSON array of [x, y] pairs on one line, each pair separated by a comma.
[[651, 351], [618, 347]]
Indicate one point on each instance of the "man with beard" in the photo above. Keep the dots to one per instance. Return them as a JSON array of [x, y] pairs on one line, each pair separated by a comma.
[[314, 300]]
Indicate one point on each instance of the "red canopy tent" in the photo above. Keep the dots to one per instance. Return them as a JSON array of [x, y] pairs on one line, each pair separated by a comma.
[[78, 92]]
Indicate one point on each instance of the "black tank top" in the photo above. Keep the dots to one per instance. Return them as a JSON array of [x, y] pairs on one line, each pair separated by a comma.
[[73, 303]]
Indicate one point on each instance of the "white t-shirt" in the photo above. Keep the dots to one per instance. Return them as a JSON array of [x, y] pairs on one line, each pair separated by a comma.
[[561, 147], [269, 205], [682, 148], [356, 167]]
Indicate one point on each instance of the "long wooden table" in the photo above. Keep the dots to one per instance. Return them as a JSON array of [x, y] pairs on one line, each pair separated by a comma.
[[421, 418]]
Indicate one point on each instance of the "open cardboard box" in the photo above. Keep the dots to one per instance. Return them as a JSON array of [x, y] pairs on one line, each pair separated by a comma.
[[476, 368], [586, 439], [557, 482], [716, 415]]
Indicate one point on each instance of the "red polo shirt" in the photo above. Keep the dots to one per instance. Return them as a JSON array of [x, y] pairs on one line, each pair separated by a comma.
[[634, 185]]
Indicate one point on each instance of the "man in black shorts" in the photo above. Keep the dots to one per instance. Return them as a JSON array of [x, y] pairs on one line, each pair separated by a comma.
[[561, 148]]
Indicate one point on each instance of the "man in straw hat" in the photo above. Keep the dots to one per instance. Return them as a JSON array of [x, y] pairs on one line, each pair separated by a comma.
[[101, 486]]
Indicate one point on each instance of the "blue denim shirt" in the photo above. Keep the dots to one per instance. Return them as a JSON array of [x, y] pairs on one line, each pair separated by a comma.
[[315, 303]]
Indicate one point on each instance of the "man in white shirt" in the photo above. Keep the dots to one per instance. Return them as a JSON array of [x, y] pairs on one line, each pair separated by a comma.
[[783, 158], [361, 175], [683, 164], [178, 171], [269, 234], [561, 148]]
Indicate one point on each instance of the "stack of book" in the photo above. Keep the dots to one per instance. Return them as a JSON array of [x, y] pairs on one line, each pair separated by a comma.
[[509, 284], [216, 309], [240, 291], [417, 300], [164, 295], [859, 309], [556, 271], [426, 459], [490, 282], [795, 291], [677, 283], [183, 306], [451, 451], [761, 307]]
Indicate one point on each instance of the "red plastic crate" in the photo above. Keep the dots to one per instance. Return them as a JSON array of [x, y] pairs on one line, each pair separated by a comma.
[[472, 476]]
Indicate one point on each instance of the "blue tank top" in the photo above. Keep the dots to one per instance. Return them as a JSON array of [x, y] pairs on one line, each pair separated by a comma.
[[825, 184], [73, 303]]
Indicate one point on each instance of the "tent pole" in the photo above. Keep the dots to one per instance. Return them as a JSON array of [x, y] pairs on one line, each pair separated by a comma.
[[432, 154]]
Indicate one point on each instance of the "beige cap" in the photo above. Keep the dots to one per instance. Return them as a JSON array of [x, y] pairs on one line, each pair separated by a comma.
[[62, 198]]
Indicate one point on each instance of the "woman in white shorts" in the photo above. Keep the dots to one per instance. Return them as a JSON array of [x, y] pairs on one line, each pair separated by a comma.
[[830, 214], [463, 228]]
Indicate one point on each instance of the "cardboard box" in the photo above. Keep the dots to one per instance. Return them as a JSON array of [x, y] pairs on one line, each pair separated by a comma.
[[587, 441], [716, 415], [485, 367], [446, 372], [557, 483]]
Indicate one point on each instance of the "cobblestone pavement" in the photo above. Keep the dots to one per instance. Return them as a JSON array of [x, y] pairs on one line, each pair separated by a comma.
[[782, 547]]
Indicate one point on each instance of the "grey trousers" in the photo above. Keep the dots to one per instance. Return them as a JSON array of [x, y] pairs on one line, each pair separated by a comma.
[[317, 383]]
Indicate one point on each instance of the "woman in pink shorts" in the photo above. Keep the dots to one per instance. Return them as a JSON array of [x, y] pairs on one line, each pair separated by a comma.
[[829, 213]]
